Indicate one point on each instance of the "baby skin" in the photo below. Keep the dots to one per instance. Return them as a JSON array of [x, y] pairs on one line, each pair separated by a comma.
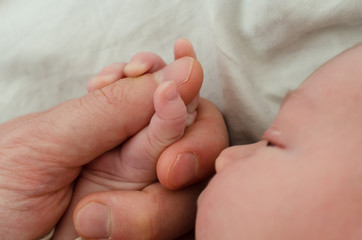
[[303, 180], [132, 166]]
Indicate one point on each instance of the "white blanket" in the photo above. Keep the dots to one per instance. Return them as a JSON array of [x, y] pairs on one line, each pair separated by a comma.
[[252, 51]]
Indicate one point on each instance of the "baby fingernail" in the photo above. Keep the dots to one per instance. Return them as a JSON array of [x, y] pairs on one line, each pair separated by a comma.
[[178, 71], [185, 169], [135, 69], [92, 221], [171, 92], [101, 81]]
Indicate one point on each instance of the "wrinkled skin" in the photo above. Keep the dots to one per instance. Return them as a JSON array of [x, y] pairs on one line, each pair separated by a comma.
[[41, 155]]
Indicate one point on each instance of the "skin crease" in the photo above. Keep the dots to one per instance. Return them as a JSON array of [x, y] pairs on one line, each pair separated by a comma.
[[42, 153], [304, 184], [178, 210]]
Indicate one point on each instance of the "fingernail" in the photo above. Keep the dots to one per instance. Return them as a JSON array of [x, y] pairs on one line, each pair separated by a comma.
[[185, 169], [171, 92], [92, 221], [135, 69], [179, 71], [101, 81]]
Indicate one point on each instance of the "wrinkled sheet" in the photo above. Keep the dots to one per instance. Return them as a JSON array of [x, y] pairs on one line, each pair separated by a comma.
[[252, 51]]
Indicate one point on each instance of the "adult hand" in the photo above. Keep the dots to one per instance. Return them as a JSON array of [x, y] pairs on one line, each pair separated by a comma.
[[41, 154], [154, 212]]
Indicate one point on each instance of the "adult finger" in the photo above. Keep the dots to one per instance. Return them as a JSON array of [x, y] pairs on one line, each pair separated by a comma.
[[79, 130], [192, 158], [13, 123], [137, 214], [133, 98]]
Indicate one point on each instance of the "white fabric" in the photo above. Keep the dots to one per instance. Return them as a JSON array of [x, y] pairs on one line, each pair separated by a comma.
[[252, 51]]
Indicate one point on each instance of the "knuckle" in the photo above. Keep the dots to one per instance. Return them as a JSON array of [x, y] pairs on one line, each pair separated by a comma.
[[114, 94], [107, 99]]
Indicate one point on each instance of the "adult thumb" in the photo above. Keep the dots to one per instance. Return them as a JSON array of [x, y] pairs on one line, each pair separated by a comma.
[[79, 130]]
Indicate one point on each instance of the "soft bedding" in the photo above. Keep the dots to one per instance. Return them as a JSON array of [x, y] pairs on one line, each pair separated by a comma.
[[252, 51]]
